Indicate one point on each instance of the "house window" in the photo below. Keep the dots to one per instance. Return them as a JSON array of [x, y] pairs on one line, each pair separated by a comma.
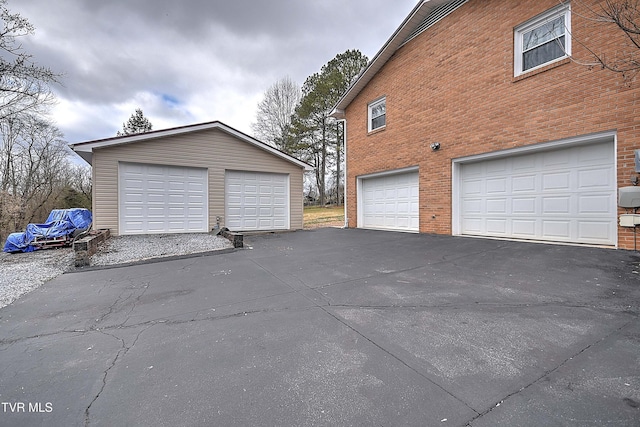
[[542, 40], [377, 114]]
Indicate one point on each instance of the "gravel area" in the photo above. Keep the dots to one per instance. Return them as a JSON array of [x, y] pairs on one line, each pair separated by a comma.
[[23, 272], [124, 249]]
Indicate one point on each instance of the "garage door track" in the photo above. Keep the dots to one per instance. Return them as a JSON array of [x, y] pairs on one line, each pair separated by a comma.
[[333, 327]]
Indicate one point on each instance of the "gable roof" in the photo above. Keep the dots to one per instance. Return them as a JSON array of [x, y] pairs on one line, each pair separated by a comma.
[[424, 15], [85, 149]]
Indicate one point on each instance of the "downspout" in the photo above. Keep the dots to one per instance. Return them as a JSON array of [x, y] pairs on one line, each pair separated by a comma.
[[344, 142], [339, 115]]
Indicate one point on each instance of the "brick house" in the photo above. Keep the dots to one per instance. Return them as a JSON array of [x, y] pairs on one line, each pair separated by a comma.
[[480, 118]]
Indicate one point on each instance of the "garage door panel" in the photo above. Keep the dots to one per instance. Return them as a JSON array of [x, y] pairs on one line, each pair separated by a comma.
[[234, 200], [182, 198], [251, 223], [595, 204], [133, 198], [153, 184], [524, 205], [556, 159], [265, 223], [390, 202], [472, 225], [404, 208], [523, 164], [523, 183], [557, 229], [256, 200], [157, 226], [195, 187], [135, 226], [177, 212], [133, 211], [497, 206], [556, 181], [497, 166], [472, 187], [593, 179], [556, 205], [265, 212], [568, 196], [523, 228], [157, 212], [179, 186], [594, 230], [472, 206], [497, 226], [162, 199], [132, 183], [496, 185], [593, 154], [196, 199], [234, 211], [265, 200]]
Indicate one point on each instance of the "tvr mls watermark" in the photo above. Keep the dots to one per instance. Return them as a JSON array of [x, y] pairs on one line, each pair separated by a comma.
[[27, 407]]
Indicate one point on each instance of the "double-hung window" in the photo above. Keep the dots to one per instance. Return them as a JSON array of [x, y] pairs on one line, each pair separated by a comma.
[[543, 40], [377, 114]]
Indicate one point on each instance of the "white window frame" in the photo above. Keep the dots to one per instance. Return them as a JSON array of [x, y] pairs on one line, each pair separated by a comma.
[[563, 10], [370, 117]]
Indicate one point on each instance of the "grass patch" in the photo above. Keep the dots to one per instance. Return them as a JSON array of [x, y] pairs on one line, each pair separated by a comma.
[[321, 216]]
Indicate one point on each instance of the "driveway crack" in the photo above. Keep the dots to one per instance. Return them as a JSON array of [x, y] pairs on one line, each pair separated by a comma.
[[546, 373], [124, 349]]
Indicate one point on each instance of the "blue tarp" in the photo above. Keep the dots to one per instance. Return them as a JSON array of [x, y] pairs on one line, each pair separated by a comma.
[[60, 223]]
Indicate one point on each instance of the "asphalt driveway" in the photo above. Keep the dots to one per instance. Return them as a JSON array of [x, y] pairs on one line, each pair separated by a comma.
[[333, 327]]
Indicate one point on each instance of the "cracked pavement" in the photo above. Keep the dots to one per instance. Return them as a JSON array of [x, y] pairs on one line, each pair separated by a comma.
[[333, 327]]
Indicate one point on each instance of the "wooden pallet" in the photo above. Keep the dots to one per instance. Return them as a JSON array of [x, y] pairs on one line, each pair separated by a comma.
[[55, 242]]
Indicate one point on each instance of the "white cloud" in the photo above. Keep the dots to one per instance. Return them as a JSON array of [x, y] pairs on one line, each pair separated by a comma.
[[191, 61]]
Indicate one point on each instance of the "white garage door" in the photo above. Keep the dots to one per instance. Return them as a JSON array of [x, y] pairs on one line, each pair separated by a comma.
[[564, 195], [390, 202], [256, 201], [162, 199]]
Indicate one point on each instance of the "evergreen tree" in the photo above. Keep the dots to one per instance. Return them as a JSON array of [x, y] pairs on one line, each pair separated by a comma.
[[137, 123], [314, 130]]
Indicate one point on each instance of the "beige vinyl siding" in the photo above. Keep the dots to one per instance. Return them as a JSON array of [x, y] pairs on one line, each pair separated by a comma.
[[212, 149]]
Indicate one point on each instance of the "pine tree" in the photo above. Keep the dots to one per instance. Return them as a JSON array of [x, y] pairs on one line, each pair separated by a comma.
[[137, 123]]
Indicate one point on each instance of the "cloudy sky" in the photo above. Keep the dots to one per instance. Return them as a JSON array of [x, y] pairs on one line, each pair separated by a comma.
[[190, 61]]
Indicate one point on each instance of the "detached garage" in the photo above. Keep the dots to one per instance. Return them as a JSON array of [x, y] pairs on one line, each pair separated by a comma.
[[191, 179]]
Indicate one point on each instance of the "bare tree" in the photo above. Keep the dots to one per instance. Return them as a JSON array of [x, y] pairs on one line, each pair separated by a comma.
[[35, 169], [623, 14], [24, 86], [274, 114], [35, 164], [80, 180]]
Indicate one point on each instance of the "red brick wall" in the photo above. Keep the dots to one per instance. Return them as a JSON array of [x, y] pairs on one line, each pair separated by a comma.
[[454, 84]]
